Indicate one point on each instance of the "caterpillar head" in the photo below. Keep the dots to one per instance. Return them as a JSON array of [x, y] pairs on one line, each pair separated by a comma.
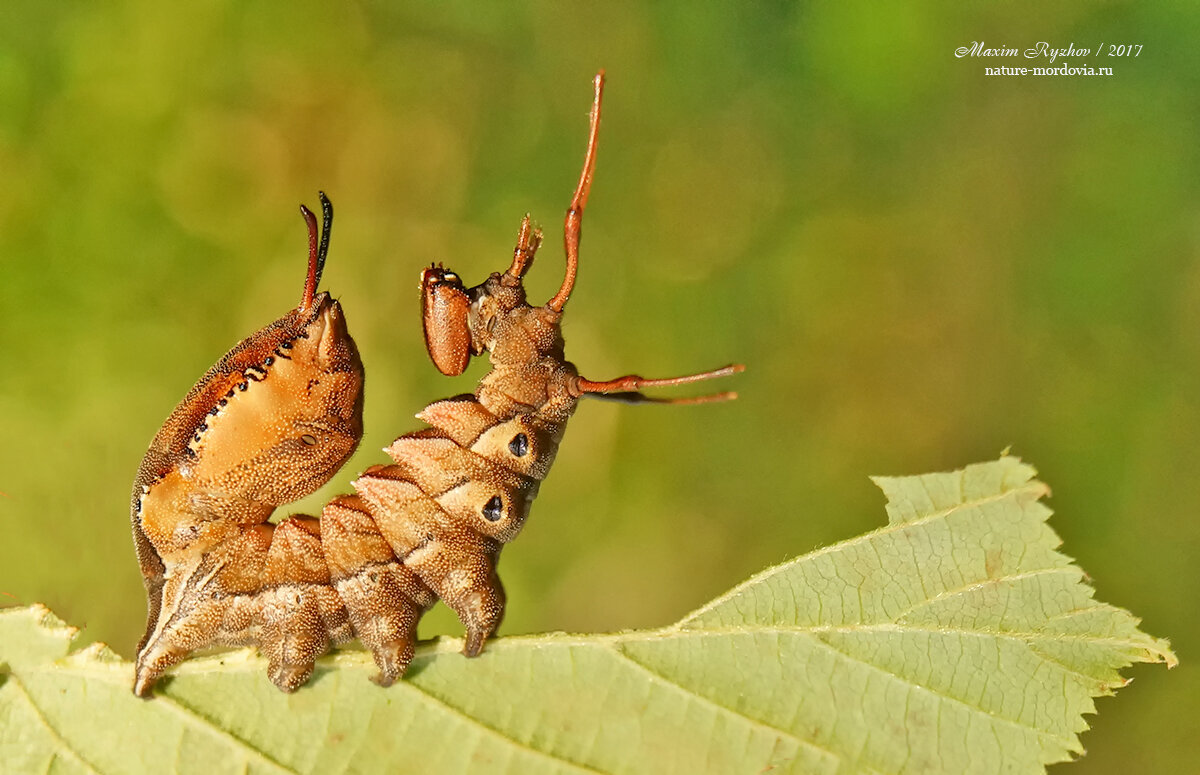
[[460, 322]]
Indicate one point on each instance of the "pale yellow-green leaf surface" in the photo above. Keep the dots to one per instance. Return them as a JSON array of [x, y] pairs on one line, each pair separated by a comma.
[[955, 639]]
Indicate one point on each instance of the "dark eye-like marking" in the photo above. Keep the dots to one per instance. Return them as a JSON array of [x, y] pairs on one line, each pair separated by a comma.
[[493, 510], [309, 439], [519, 445]]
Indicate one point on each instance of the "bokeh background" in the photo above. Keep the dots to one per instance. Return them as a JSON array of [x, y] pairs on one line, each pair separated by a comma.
[[920, 265]]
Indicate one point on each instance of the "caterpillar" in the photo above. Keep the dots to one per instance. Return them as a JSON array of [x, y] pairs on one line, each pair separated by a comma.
[[281, 412]]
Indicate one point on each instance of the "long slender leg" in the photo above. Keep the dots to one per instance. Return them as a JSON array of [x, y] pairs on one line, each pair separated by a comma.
[[626, 388], [574, 219]]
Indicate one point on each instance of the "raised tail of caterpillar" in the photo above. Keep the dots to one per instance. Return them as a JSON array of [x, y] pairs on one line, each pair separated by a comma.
[[272, 421], [277, 416]]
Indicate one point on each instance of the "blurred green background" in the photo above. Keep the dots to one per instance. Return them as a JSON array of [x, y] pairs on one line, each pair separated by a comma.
[[920, 265]]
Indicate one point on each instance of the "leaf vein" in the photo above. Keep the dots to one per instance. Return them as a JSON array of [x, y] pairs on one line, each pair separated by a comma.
[[662, 679], [1067, 741], [491, 731], [197, 720], [1023, 636], [972, 586], [58, 738]]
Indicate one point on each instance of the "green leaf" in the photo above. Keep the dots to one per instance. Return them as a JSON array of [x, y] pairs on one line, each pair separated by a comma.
[[956, 639]]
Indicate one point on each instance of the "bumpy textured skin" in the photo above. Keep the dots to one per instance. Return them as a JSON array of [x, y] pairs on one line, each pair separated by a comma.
[[271, 422], [462, 488]]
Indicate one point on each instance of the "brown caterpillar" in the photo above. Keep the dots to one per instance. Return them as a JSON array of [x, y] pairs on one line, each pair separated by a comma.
[[280, 413]]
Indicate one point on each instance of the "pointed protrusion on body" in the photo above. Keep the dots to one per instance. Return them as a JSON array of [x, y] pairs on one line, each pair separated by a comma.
[[462, 418], [436, 464], [310, 281], [204, 595], [444, 543], [529, 239], [318, 248], [463, 574], [407, 518]]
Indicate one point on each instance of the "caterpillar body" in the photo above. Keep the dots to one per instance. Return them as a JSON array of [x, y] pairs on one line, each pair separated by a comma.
[[280, 413]]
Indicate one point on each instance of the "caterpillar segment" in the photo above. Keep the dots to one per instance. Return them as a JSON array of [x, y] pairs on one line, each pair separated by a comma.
[[281, 412]]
